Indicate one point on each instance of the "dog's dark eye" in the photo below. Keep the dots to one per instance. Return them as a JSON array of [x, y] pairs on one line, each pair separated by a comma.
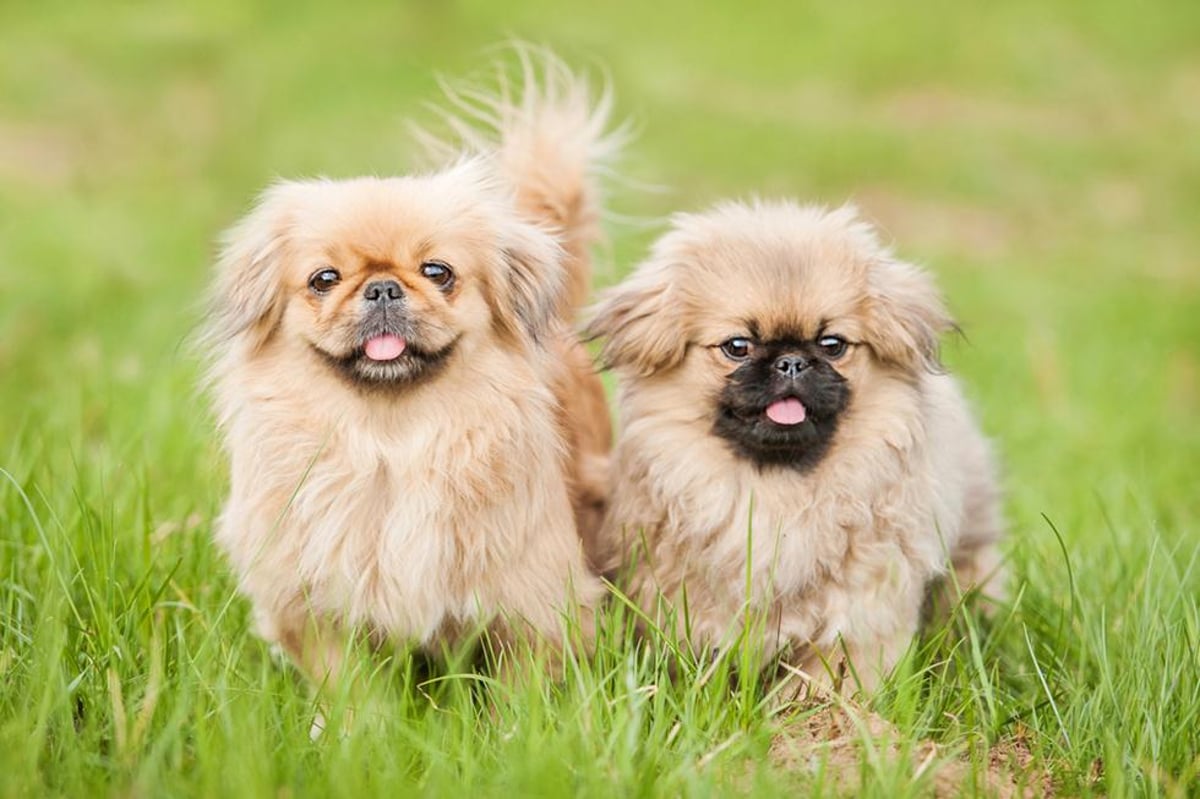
[[323, 280], [832, 347], [737, 349], [438, 274]]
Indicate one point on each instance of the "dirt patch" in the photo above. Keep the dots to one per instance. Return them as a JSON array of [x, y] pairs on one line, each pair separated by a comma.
[[1015, 755], [837, 738]]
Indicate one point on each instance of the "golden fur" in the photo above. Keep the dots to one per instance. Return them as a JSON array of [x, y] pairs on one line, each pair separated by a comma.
[[836, 560], [423, 511]]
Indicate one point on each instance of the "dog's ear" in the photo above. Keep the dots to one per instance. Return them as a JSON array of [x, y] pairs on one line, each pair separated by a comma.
[[528, 280], [246, 300], [642, 323], [532, 279], [907, 316]]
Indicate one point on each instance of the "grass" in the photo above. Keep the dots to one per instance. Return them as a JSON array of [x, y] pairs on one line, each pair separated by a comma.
[[1039, 157]]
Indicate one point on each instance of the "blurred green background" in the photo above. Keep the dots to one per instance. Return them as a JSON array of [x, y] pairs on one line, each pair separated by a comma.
[[1042, 158]]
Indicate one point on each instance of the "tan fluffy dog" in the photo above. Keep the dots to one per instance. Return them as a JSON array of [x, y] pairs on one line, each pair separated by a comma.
[[413, 430], [791, 451]]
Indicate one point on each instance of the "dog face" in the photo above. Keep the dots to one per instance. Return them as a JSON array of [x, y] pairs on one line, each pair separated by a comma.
[[385, 280], [782, 402], [769, 321]]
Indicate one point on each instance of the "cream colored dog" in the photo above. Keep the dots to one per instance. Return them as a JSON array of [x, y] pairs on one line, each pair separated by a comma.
[[416, 438], [791, 451]]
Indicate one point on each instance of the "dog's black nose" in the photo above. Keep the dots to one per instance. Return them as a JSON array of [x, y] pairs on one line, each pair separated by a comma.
[[382, 291], [790, 366]]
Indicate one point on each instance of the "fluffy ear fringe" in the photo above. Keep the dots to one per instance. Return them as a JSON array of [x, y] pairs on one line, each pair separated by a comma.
[[532, 271], [244, 304], [640, 322], [908, 316], [535, 280]]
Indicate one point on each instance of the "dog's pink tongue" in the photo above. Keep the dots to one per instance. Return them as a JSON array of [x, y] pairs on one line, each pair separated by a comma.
[[786, 411], [384, 348]]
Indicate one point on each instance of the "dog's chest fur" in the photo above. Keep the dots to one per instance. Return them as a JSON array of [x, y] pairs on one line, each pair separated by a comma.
[[382, 523], [808, 550], [403, 523]]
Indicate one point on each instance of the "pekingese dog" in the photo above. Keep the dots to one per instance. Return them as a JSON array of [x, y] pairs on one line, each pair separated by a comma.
[[791, 450], [417, 440]]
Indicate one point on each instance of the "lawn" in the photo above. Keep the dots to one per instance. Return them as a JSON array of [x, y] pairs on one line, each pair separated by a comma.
[[1042, 158]]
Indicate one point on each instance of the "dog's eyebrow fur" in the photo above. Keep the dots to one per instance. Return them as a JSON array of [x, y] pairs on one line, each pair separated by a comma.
[[789, 330]]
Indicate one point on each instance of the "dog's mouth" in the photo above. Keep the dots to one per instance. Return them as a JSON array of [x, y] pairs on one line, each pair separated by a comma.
[[387, 359], [385, 347], [785, 430], [777, 418], [786, 412]]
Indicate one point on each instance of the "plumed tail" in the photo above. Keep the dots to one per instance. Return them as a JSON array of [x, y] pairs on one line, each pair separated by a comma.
[[549, 136]]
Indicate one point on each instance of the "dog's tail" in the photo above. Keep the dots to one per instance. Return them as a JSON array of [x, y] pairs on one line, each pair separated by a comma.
[[552, 141]]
